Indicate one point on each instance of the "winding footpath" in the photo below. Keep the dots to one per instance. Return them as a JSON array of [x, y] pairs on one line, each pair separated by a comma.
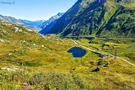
[[102, 53]]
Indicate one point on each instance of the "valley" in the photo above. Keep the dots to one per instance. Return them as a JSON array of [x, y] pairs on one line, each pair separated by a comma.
[[89, 47], [42, 62]]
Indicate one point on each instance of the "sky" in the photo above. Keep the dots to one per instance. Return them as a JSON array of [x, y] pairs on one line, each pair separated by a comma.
[[34, 9]]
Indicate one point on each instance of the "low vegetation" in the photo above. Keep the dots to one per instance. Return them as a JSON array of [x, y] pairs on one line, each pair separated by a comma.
[[29, 61]]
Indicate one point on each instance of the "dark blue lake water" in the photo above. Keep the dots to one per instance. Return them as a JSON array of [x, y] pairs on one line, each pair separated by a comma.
[[77, 52]]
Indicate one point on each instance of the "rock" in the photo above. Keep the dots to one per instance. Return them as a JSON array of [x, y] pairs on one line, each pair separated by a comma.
[[11, 68], [17, 29], [96, 70]]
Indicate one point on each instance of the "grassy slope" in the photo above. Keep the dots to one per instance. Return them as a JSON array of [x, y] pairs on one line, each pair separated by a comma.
[[121, 23], [124, 46], [88, 17], [44, 63]]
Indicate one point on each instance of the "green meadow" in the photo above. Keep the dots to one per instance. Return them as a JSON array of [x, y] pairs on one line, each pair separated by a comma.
[[29, 61]]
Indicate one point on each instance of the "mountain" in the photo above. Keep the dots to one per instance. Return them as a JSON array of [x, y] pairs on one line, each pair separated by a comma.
[[33, 24], [49, 23], [26, 23], [113, 18], [52, 19], [11, 19]]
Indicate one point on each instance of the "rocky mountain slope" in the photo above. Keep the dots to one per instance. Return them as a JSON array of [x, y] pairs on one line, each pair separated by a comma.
[[50, 20], [11, 19], [113, 18], [26, 23], [49, 23]]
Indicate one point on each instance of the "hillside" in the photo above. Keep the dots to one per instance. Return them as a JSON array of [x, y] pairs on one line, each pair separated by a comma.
[[29, 61], [34, 25], [10, 19], [113, 18]]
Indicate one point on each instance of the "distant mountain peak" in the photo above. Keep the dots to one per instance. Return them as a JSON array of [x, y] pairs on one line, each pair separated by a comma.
[[26, 23], [51, 20], [60, 14]]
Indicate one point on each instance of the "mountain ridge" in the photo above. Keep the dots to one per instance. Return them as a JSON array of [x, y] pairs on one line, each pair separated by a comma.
[[50, 20], [97, 18], [49, 23], [26, 23]]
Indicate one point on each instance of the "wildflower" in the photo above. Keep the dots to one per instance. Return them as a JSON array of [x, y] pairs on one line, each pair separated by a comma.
[[27, 86]]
